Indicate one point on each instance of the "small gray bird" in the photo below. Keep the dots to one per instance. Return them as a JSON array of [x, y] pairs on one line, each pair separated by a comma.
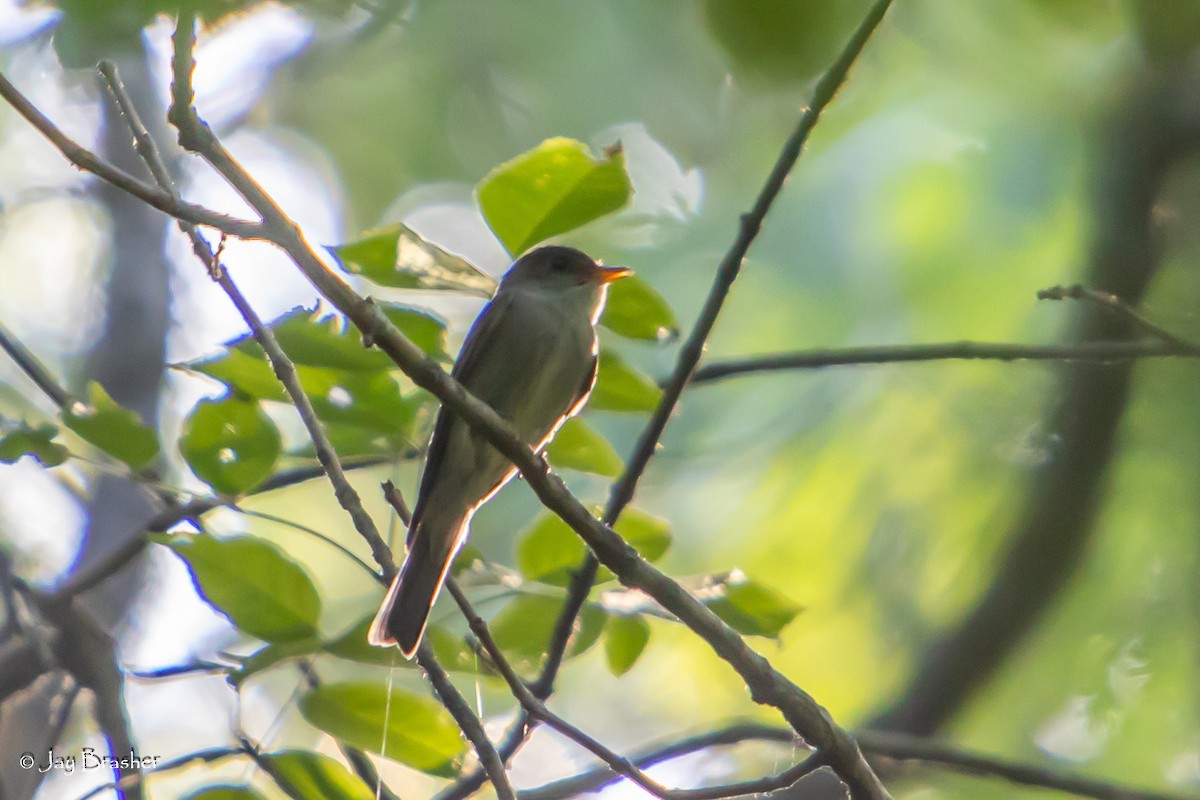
[[531, 356]]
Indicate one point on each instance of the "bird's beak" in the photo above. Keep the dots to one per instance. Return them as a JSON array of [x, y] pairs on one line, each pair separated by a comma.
[[610, 274]]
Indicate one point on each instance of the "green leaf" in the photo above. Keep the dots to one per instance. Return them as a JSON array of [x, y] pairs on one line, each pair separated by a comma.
[[781, 41], [576, 446], [260, 590], [650, 536], [315, 776], [754, 609], [624, 640], [553, 188], [427, 331], [224, 793], [620, 387], [270, 655], [230, 444], [243, 371], [114, 429], [523, 629], [370, 400], [29, 441], [636, 311], [548, 551], [419, 732], [319, 341], [397, 256], [352, 646]]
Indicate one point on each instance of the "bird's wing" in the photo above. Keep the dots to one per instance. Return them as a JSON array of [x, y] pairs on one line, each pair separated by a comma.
[[474, 347]]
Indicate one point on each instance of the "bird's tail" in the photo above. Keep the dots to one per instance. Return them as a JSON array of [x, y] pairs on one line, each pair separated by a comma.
[[405, 611]]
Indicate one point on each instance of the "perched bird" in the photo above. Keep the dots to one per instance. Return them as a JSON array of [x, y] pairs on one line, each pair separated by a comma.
[[531, 356]]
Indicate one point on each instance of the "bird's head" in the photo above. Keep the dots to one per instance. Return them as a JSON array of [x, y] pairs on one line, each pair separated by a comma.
[[558, 267]]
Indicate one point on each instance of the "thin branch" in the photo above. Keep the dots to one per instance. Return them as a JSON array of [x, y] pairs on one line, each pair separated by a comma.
[[616, 763], [285, 371], [1119, 307], [182, 670], [33, 368], [942, 351], [86, 160], [916, 748], [175, 513], [686, 362], [467, 721], [877, 744], [766, 685], [489, 760]]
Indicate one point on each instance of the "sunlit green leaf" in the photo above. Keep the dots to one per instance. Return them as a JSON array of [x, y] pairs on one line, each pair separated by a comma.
[[399, 257], [315, 776], [548, 551], [419, 732], [636, 311], [244, 371], [112, 428], [427, 331], [314, 340], [624, 640], [649, 535], [37, 442], [523, 629], [271, 654], [553, 188], [620, 387], [263, 592], [230, 444], [352, 645], [577, 446], [754, 609]]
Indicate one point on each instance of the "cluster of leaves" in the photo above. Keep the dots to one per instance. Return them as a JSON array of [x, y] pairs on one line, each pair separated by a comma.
[[368, 409]]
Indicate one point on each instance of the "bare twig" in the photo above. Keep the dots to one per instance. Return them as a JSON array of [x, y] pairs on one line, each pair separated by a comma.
[[765, 683], [1119, 307], [685, 365], [86, 160], [34, 369], [489, 759], [176, 512], [285, 371], [616, 763], [916, 748], [941, 351], [877, 744]]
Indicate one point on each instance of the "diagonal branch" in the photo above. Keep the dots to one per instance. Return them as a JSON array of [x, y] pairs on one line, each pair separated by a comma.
[[617, 765], [689, 356], [900, 747], [153, 196], [285, 371], [766, 684]]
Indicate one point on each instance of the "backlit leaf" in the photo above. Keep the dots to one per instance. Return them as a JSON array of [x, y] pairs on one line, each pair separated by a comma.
[[553, 188]]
